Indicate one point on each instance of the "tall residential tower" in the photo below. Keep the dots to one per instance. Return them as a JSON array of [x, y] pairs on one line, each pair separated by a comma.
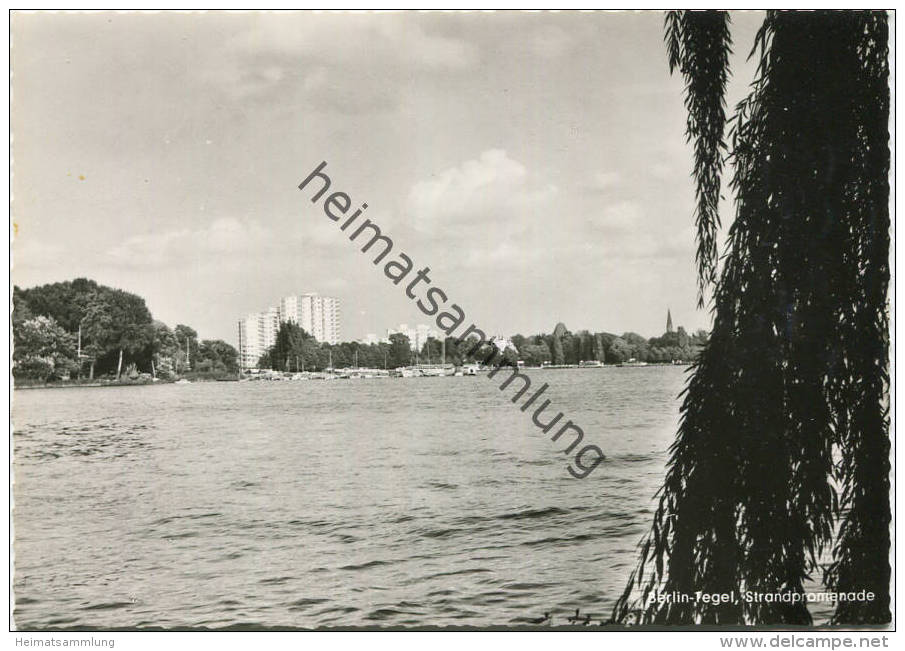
[[318, 315]]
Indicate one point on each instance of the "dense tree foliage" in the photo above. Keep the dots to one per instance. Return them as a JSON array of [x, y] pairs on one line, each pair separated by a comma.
[[43, 350], [294, 350], [74, 327], [217, 356], [115, 325], [789, 399]]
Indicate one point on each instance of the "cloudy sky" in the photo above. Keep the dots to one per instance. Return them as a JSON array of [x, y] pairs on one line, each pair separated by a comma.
[[535, 162]]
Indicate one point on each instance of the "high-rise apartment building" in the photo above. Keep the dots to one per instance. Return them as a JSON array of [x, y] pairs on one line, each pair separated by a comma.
[[257, 333], [317, 315]]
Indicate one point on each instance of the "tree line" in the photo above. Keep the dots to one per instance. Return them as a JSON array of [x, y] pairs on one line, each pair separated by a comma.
[[564, 347], [83, 329], [296, 350]]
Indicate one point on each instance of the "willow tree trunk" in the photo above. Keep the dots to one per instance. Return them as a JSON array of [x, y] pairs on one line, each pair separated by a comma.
[[119, 364]]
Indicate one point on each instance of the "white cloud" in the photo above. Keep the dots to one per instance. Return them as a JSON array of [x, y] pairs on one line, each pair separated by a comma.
[[383, 39], [224, 236], [484, 215], [625, 231], [662, 171], [327, 55], [496, 254], [606, 180], [622, 216], [490, 189]]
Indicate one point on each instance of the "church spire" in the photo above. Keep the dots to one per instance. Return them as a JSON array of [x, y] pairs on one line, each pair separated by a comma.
[[668, 320]]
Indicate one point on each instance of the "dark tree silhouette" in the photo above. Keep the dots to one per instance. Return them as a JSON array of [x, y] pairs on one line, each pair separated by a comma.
[[699, 46], [789, 399]]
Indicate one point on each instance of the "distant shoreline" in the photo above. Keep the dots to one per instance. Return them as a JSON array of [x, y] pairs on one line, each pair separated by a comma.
[[102, 385]]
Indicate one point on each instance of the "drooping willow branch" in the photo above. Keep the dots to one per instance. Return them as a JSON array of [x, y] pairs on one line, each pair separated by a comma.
[[699, 45], [796, 367]]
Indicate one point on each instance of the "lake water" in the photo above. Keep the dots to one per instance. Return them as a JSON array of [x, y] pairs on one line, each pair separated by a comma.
[[404, 502]]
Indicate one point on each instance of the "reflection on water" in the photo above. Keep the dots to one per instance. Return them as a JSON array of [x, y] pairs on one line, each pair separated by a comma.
[[358, 503]]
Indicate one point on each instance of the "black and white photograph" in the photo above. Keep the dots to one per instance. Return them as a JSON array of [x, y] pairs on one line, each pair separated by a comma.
[[395, 321]]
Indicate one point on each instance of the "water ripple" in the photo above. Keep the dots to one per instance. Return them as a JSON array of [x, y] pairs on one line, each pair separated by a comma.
[[242, 506]]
